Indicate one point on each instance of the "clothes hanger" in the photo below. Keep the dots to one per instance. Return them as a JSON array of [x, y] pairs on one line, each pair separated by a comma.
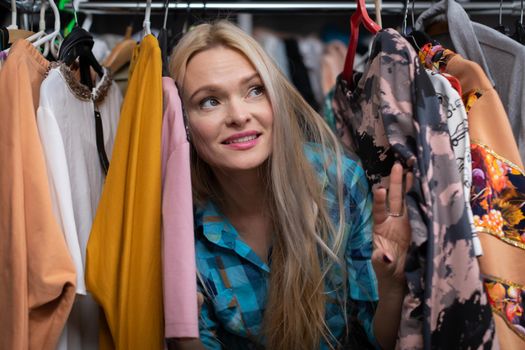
[[77, 46], [416, 38], [378, 6], [163, 41], [166, 8], [360, 16], [500, 27], [187, 20], [122, 52], [406, 5], [147, 21], [42, 26], [519, 34], [12, 33], [13, 30], [56, 32]]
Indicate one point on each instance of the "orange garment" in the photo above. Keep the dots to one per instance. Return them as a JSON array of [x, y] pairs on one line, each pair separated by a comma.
[[37, 280], [123, 261], [503, 261]]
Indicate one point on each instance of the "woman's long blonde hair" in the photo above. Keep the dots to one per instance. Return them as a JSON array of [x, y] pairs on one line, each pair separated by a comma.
[[306, 242]]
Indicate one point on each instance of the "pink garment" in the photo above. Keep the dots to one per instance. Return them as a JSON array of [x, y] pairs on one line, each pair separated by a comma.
[[179, 271]]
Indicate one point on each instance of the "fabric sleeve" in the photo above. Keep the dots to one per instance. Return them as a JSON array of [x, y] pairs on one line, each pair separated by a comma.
[[362, 283], [60, 187], [178, 245]]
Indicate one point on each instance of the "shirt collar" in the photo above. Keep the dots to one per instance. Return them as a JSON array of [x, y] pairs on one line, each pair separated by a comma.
[[218, 230]]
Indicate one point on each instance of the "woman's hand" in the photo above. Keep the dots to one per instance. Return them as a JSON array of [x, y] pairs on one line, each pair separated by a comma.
[[391, 230], [391, 241]]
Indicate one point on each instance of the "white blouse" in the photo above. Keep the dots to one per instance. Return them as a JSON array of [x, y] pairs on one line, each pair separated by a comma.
[[66, 123]]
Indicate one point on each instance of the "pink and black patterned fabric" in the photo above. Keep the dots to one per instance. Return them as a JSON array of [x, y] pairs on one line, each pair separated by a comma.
[[394, 114]]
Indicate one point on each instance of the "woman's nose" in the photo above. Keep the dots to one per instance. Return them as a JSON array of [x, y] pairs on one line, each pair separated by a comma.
[[238, 113]]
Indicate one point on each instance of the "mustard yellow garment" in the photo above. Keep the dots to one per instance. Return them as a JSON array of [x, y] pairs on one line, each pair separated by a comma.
[[123, 260]]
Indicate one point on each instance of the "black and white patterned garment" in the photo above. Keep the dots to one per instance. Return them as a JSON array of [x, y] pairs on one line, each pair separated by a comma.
[[457, 122]]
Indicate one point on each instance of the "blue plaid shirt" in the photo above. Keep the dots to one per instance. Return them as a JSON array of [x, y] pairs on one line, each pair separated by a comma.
[[236, 279]]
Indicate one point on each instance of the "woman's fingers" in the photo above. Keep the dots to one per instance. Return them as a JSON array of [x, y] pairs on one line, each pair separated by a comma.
[[409, 180], [395, 195], [395, 191], [379, 206]]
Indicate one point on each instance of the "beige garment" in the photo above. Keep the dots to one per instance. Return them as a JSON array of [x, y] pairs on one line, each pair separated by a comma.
[[489, 125], [37, 280], [488, 122], [332, 64]]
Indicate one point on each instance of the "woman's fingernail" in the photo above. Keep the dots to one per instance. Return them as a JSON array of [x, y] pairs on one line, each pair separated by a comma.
[[386, 259]]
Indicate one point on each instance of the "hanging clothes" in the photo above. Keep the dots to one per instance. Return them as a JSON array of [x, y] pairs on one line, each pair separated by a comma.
[[501, 58], [275, 48], [37, 283], [394, 113], [164, 50], [332, 63], [487, 111], [66, 121], [299, 73], [178, 250], [311, 50], [123, 262], [457, 123], [66, 116], [497, 199]]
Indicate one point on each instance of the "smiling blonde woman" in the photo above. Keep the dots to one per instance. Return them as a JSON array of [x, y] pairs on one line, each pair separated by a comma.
[[284, 221]]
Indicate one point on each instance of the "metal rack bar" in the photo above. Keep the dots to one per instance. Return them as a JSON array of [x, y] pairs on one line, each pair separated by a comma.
[[512, 7], [129, 7]]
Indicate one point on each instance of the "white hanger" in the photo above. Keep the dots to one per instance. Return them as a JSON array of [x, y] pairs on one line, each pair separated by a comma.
[[147, 22], [41, 25], [35, 36], [378, 6], [13, 15], [51, 37]]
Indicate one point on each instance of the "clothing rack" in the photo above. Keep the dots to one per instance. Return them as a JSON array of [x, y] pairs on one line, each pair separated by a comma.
[[112, 7], [116, 7]]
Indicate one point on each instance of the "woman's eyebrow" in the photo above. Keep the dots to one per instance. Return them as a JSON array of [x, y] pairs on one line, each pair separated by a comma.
[[210, 88], [215, 88], [250, 78]]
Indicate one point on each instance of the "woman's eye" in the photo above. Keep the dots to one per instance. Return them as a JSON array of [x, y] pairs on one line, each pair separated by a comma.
[[209, 102], [256, 91]]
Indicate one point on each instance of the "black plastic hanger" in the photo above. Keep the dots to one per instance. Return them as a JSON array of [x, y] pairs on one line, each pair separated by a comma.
[[163, 42], [4, 38], [503, 29], [416, 38], [78, 45]]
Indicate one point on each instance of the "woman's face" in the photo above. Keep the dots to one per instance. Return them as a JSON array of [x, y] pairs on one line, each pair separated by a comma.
[[229, 112]]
